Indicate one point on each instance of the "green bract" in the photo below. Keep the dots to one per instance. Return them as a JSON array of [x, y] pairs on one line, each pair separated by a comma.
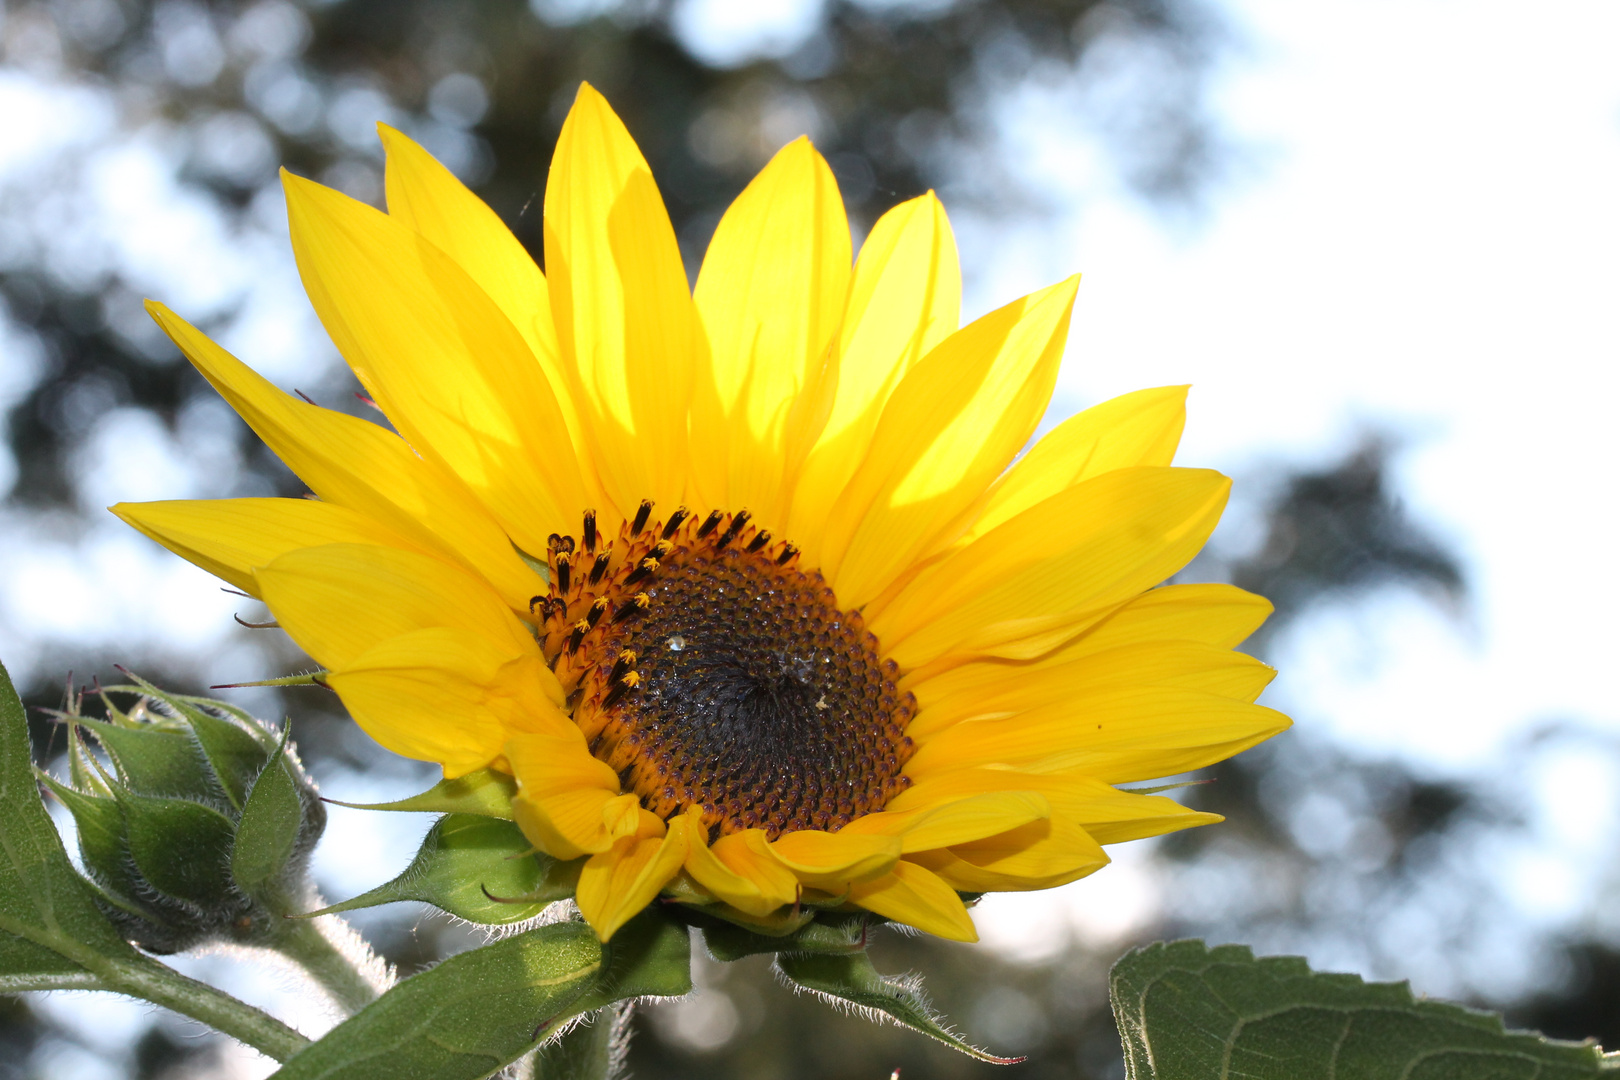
[[198, 825]]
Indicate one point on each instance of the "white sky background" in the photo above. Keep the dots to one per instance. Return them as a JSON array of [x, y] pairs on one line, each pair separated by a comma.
[[1421, 236], [1422, 239]]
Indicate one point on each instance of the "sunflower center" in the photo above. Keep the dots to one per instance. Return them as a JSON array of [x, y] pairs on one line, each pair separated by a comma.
[[709, 670]]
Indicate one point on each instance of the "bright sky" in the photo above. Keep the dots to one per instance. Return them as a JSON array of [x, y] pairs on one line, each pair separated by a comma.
[[1421, 235], [1423, 239]]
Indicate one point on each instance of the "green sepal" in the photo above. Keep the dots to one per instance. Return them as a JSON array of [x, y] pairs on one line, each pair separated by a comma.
[[852, 979], [464, 1018], [103, 847], [307, 678], [487, 793], [179, 846], [836, 936], [84, 771], [779, 924], [236, 756], [156, 758], [1186, 1012], [476, 868], [539, 566], [272, 819]]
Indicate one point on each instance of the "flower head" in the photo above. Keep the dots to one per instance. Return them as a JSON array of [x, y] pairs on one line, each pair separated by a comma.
[[741, 583]]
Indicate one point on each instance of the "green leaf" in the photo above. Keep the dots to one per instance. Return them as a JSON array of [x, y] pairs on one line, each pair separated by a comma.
[[650, 956], [268, 831], [852, 978], [1189, 1012], [48, 914], [486, 792], [465, 1018], [472, 867], [834, 935]]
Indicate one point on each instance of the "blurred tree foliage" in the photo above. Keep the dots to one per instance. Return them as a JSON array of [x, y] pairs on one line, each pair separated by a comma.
[[901, 95], [896, 94]]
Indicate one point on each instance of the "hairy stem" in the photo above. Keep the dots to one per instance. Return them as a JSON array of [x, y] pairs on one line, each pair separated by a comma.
[[162, 985], [593, 1050], [337, 958]]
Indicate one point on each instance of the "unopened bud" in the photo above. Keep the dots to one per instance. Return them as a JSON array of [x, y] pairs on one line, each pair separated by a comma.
[[198, 825]]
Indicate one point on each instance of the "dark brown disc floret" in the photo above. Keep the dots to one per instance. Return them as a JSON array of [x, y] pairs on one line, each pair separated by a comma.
[[709, 670]]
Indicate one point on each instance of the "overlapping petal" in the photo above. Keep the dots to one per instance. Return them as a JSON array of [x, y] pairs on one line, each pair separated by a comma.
[[771, 295], [905, 299], [361, 466], [626, 324], [951, 426], [454, 375], [1053, 569], [230, 538]]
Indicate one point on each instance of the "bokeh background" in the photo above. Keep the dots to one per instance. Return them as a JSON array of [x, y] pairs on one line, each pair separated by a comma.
[[1377, 236]]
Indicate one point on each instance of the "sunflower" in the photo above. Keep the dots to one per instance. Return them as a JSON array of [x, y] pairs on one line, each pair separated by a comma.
[[741, 583]]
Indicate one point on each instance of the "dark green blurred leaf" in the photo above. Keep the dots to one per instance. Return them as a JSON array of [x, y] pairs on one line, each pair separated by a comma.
[[465, 1018], [271, 819], [472, 867], [1189, 1012], [487, 793], [851, 978]]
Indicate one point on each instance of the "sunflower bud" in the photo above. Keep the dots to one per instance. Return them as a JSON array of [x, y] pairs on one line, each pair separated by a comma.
[[197, 826]]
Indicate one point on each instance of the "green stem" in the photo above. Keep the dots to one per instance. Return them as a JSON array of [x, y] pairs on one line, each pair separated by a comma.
[[162, 985], [336, 958], [592, 1050]]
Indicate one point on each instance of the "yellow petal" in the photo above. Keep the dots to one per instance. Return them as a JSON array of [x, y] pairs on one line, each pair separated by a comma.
[[741, 870], [953, 821], [440, 357], [905, 299], [625, 320], [230, 537], [1222, 615], [568, 802], [1107, 813], [1040, 855], [352, 463], [1116, 735], [912, 895], [830, 861], [1217, 615], [427, 197], [986, 687], [1141, 428], [771, 294], [1077, 554], [340, 600], [952, 425], [615, 885], [445, 695]]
